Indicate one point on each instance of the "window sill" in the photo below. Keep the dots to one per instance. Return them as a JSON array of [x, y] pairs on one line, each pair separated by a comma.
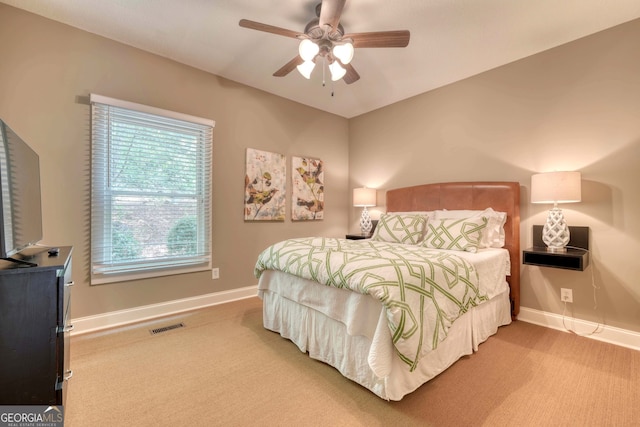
[[127, 277]]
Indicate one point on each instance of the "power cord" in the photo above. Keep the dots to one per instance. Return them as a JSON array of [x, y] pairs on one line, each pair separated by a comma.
[[595, 287]]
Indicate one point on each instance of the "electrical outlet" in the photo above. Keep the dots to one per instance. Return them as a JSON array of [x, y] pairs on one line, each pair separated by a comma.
[[215, 273], [566, 295]]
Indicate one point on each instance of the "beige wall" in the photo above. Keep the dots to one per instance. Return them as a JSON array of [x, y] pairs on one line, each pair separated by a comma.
[[576, 107], [46, 71]]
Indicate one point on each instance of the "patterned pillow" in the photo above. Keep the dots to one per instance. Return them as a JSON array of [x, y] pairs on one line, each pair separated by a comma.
[[457, 234], [493, 236], [400, 228]]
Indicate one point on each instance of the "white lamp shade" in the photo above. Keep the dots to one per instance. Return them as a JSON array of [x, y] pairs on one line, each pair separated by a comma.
[[306, 68], [337, 72], [308, 50], [364, 197], [556, 187], [344, 52]]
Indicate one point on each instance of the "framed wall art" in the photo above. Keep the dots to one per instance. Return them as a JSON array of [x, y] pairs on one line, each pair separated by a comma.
[[307, 178], [264, 186]]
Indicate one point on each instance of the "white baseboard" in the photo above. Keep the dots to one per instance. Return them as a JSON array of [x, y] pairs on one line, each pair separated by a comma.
[[609, 334], [111, 319], [82, 325]]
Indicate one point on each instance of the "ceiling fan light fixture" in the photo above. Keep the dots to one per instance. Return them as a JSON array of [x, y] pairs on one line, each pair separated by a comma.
[[344, 52], [324, 37], [306, 68], [337, 72], [308, 50]]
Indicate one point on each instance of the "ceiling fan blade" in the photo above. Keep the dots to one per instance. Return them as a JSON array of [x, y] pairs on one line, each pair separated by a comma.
[[352, 75], [288, 67], [253, 25], [330, 12], [398, 38]]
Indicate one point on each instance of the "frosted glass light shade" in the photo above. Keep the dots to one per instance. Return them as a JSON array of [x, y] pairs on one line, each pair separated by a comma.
[[308, 50], [344, 52], [306, 68], [337, 72]]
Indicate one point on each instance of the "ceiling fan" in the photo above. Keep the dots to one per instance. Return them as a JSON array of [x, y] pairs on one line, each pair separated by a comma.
[[324, 39]]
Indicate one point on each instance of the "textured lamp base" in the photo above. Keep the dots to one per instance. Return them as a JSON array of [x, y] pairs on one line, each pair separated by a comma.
[[555, 233], [365, 222]]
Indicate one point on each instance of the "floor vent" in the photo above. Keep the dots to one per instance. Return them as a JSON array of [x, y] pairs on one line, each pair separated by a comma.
[[166, 328]]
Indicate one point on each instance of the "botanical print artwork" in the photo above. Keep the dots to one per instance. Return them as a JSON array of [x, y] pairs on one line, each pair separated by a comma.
[[308, 189], [264, 186]]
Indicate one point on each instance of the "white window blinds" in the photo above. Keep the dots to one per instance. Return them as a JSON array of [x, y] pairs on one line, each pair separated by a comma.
[[150, 191]]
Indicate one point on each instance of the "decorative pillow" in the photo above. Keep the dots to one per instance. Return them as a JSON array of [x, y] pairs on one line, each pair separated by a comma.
[[428, 216], [493, 235], [400, 228], [457, 234]]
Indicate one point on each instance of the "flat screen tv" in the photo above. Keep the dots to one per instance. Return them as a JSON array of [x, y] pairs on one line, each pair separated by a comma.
[[20, 199]]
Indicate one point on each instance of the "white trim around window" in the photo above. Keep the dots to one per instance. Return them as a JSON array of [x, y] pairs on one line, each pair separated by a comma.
[[150, 191]]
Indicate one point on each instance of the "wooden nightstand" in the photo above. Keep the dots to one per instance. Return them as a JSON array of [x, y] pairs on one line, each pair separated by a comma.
[[575, 258]]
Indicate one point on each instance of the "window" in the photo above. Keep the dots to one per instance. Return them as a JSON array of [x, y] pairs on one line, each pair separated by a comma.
[[150, 191]]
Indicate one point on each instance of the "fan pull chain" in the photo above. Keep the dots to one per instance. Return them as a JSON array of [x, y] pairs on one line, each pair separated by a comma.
[[324, 80], [324, 66]]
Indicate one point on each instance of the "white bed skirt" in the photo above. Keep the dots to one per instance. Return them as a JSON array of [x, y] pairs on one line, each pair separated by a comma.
[[329, 326]]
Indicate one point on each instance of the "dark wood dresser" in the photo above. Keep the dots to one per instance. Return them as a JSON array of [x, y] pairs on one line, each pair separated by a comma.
[[34, 330]]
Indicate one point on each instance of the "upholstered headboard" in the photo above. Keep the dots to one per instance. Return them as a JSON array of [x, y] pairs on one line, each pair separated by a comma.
[[501, 196]]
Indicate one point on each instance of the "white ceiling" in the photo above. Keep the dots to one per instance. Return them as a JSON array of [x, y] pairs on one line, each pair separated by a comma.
[[450, 39]]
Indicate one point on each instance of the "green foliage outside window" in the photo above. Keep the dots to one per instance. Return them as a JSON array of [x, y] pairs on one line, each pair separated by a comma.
[[182, 239], [125, 245]]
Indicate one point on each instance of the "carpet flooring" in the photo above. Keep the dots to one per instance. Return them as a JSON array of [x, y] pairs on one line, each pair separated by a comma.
[[224, 369]]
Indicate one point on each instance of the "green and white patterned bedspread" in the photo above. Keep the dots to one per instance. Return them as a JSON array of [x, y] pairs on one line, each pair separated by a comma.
[[423, 290]]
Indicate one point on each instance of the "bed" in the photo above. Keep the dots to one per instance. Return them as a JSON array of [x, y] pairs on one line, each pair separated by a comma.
[[393, 337]]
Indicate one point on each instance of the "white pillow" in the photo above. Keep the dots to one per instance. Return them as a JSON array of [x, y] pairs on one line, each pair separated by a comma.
[[407, 229], [456, 234], [493, 235]]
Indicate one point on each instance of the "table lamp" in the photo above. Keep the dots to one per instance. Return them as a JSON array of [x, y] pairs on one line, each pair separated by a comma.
[[364, 197], [556, 187]]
